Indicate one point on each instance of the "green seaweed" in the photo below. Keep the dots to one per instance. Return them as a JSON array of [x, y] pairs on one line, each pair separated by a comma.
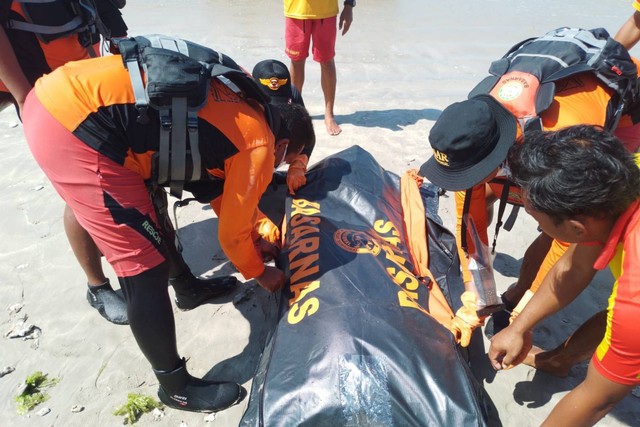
[[33, 393], [136, 405]]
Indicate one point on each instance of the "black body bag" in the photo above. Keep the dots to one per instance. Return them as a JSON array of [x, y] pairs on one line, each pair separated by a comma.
[[354, 344]]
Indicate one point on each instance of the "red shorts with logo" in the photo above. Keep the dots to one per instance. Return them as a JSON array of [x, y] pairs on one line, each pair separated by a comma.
[[110, 201], [299, 33]]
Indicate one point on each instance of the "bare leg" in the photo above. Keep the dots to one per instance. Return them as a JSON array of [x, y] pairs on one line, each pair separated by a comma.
[[328, 79], [297, 74], [577, 348], [84, 249], [100, 295], [513, 296], [533, 257]]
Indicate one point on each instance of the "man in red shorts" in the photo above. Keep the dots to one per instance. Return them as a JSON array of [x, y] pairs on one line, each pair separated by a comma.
[[86, 131], [315, 21], [582, 187], [25, 55]]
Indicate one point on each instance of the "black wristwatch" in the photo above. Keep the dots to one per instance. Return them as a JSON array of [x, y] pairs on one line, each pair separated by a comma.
[[351, 3]]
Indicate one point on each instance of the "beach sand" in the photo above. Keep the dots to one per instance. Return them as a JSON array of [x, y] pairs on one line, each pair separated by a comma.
[[399, 66]]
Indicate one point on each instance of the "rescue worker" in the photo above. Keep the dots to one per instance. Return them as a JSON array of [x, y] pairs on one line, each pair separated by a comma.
[[27, 55], [471, 139], [582, 187], [82, 126]]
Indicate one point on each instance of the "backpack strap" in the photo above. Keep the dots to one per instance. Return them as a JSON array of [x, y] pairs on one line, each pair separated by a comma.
[[484, 86], [178, 77], [508, 224], [194, 140], [67, 27], [463, 226], [174, 124], [169, 43], [545, 96], [164, 146], [178, 145], [246, 87], [239, 82], [82, 17], [178, 119], [130, 57], [173, 143], [504, 196]]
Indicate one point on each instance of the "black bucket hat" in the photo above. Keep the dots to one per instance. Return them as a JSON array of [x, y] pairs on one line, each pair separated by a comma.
[[470, 140]]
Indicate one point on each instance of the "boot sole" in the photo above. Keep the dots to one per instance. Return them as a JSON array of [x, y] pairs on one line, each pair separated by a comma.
[[100, 309], [171, 404]]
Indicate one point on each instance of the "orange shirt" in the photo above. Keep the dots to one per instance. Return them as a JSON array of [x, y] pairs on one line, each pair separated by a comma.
[[94, 99]]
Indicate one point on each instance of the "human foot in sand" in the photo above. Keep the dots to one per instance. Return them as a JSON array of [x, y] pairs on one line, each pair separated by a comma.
[[575, 349], [545, 361], [333, 128]]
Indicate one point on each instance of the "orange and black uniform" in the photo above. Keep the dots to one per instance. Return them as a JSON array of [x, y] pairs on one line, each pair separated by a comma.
[[579, 99], [88, 107], [37, 57], [81, 125]]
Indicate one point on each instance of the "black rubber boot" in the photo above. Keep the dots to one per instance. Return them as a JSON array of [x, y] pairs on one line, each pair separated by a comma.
[[179, 390], [109, 303], [191, 291]]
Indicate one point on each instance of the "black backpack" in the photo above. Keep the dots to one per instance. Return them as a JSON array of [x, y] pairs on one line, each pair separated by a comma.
[[53, 19], [524, 81], [557, 55], [178, 76]]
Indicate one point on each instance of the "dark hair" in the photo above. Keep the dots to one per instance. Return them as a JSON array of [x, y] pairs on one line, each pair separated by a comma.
[[579, 170], [299, 127]]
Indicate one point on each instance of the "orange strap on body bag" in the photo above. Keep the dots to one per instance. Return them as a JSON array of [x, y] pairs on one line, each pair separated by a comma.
[[415, 229]]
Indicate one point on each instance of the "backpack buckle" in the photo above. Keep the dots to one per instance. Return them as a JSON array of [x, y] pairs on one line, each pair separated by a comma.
[[192, 123], [165, 121], [143, 115]]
